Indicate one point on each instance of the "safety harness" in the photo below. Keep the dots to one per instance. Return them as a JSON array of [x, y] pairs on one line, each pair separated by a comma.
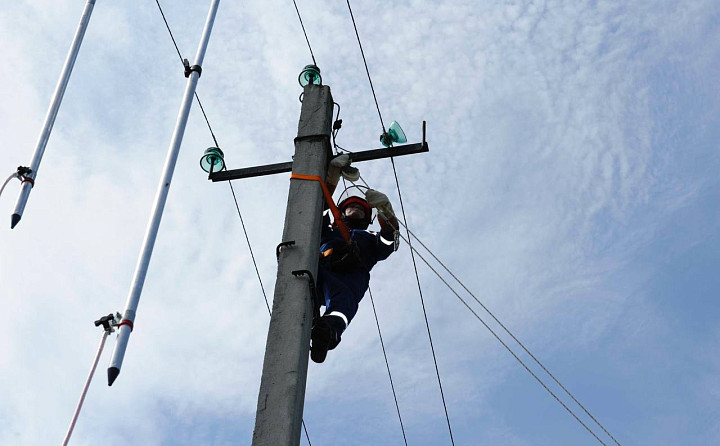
[[341, 258]]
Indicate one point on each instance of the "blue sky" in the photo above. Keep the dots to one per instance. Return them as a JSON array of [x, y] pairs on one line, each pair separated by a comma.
[[571, 184]]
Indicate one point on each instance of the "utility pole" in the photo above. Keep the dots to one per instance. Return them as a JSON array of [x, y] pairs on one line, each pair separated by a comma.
[[278, 420], [282, 387]]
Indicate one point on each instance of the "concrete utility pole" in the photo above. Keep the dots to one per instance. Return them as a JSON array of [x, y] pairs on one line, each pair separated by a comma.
[[282, 388]]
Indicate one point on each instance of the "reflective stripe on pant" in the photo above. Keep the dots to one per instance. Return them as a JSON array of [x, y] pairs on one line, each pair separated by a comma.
[[342, 293]]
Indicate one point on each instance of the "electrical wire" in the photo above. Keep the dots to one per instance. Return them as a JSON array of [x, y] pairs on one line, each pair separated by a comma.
[[506, 346], [357, 35], [172, 37], [387, 364], [422, 302], [413, 249], [169, 31], [252, 256], [267, 303], [382, 343], [402, 208], [507, 330], [305, 33]]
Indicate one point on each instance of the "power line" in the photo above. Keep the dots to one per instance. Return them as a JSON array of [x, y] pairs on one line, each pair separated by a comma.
[[305, 33], [267, 303], [504, 328], [508, 348], [169, 31], [422, 302], [507, 330], [242, 222], [402, 208], [202, 109], [357, 35], [382, 343], [387, 364]]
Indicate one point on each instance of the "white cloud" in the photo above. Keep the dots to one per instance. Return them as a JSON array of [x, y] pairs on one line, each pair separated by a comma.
[[562, 181]]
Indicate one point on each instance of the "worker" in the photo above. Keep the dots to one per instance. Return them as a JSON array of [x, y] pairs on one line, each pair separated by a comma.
[[344, 268]]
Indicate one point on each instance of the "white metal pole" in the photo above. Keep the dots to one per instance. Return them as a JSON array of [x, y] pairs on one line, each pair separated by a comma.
[[126, 325], [29, 180]]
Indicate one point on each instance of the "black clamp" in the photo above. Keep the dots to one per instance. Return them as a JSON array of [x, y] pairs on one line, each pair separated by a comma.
[[23, 171], [313, 291], [281, 245], [189, 69], [108, 322]]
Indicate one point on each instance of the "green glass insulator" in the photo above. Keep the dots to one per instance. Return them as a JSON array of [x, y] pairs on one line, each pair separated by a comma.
[[394, 134], [212, 157], [310, 75]]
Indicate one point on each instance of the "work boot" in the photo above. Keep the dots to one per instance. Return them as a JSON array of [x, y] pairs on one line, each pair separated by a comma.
[[322, 338]]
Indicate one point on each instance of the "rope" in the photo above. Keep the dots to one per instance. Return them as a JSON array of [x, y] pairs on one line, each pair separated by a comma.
[[507, 330], [14, 175], [305, 33], [328, 198], [506, 346], [85, 389]]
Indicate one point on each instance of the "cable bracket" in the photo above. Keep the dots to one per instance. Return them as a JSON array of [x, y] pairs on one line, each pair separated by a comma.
[[313, 290], [189, 69], [282, 245]]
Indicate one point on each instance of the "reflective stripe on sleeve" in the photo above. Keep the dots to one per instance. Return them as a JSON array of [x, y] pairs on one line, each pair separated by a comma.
[[387, 242], [340, 315]]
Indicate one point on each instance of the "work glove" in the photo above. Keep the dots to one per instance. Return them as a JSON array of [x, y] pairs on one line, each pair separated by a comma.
[[379, 201], [340, 165]]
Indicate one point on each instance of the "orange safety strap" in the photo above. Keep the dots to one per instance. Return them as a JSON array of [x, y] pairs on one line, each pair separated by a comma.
[[328, 198]]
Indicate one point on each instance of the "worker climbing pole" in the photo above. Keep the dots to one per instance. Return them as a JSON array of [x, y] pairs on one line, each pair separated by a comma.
[[347, 256], [282, 387]]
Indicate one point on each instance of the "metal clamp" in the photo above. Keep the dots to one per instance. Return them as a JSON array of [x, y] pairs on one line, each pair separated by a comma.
[[282, 245], [108, 322], [189, 69]]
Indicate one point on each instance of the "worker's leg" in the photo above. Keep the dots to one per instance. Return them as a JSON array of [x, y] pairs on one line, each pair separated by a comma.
[[341, 304]]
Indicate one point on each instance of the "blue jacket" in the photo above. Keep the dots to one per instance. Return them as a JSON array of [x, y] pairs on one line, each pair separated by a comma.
[[372, 247]]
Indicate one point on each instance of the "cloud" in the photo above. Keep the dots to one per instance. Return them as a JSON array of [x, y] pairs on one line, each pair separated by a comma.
[[573, 158]]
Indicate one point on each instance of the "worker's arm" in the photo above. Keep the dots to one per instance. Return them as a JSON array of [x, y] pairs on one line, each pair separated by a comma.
[[340, 165], [386, 215]]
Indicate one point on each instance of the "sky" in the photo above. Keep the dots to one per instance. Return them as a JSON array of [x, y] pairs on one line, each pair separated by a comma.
[[571, 184]]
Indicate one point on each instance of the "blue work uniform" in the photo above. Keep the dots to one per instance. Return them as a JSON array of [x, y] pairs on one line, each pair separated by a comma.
[[344, 286]]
